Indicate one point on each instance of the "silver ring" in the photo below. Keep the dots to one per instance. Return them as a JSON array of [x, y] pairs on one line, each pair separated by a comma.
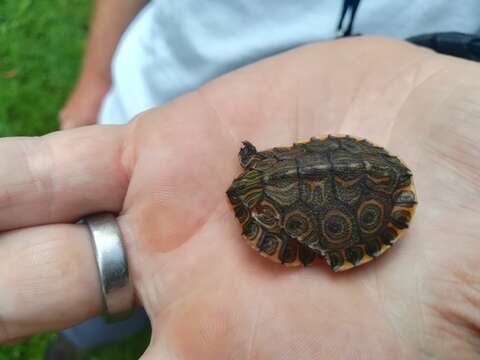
[[117, 289]]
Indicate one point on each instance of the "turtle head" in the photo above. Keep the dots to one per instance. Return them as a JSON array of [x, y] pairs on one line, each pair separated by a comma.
[[246, 154]]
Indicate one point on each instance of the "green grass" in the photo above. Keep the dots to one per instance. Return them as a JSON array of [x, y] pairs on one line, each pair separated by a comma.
[[41, 45], [34, 348], [31, 349], [41, 42]]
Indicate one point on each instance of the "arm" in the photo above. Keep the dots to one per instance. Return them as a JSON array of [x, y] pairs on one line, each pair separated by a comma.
[[109, 21]]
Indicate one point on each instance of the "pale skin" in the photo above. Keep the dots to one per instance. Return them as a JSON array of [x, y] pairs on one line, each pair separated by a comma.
[[110, 18], [208, 294]]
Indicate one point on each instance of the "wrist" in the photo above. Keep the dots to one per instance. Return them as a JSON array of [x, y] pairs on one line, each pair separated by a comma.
[[101, 78]]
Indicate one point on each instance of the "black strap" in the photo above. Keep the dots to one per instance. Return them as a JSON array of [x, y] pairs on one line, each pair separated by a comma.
[[351, 5], [466, 46], [457, 44]]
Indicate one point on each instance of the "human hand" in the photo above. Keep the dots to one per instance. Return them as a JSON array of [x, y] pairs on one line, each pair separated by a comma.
[[210, 296], [84, 103]]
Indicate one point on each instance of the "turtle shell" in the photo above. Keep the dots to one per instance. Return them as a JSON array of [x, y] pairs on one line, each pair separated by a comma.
[[340, 198]]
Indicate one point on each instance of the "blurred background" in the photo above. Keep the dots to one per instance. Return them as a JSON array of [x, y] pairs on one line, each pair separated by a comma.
[[41, 45]]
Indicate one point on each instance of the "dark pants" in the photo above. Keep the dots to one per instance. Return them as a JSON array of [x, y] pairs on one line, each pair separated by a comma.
[[96, 332]]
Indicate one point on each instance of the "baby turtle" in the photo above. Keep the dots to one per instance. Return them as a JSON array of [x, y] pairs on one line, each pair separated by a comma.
[[339, 197]]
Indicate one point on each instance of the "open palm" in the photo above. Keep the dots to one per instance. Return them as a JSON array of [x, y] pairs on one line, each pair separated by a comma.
[[210, 296]]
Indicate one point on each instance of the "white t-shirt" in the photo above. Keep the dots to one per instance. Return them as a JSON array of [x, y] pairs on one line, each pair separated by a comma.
[[174, 46]]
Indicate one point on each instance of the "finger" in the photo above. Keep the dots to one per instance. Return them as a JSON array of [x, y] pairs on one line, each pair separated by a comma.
[[48, 278], [61, 176], [65, 122]]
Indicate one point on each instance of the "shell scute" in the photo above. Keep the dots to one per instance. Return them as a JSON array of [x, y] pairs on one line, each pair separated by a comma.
[[340, 198]]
